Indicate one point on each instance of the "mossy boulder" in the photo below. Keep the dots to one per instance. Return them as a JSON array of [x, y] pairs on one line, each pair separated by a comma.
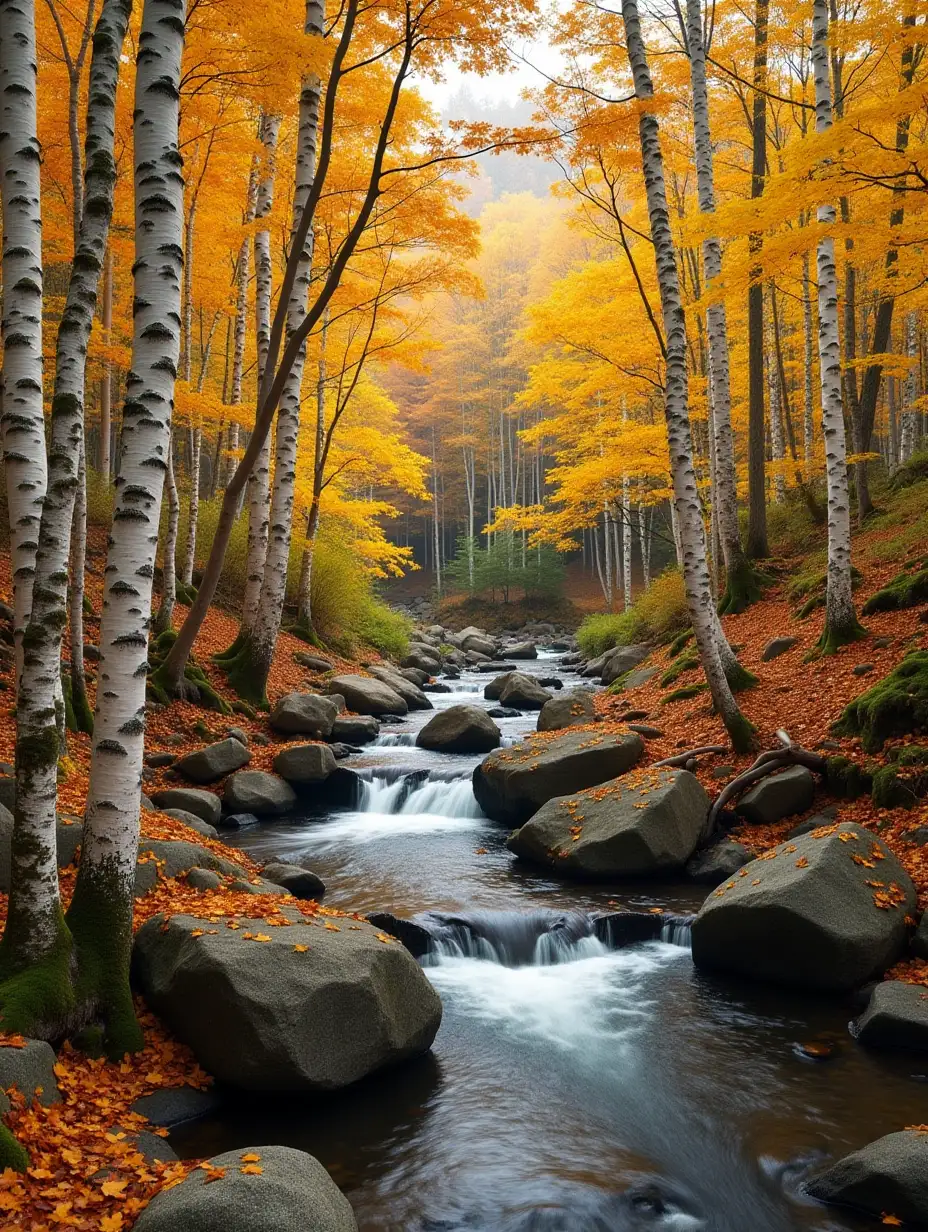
[[896, 706], [907, 589]]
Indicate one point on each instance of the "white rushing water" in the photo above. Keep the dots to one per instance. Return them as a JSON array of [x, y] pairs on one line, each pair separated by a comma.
[[452, 798]]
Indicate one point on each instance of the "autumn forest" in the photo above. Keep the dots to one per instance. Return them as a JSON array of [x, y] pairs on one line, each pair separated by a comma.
[[463, 615]]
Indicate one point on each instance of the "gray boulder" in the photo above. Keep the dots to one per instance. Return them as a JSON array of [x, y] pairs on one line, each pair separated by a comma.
[[31, 1070], [512, 784], [418, 660], [641, 825], [256, 791], [896, 1017], [201, 803], [460, 729], [807, 913], [238, 821], [889, 1176], [621, 660], [779, 646], [301, 882], [479, 643], [365, 695], [171, 857], [213, 761], [203, 879], [313, 662], [194, 822], [492, 690], [411, 694], [639, 676], [781, 795], [355, 728], [521, 650], [569, 710], [69, 834], [504, 712], [920, 940], [305, 763], [473, 658], [315, 1020], [523, 693], [415, 676], [169, 1107], [718, 862], [292, 1190], [304, 714]]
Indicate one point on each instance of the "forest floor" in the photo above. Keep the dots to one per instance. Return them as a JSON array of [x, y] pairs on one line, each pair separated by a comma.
[[86, 1171]]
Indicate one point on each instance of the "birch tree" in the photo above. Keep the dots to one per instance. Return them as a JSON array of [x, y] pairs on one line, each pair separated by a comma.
[[686, 501], [841, 624]]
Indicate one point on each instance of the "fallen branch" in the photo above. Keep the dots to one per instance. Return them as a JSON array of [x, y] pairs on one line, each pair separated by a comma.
[[684, 759], [767, 763]]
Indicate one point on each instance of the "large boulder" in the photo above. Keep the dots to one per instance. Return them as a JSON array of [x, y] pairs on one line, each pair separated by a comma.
[[311, 1008], [418, 659], [203, 804], [460, 729], [920, 940], [778, 796], [304, 714], [827, 910], [256, 791], [492, 690], [896, 1017], [512, 784], [718, 862], [523, 692], [622, 660], [886, 1177], [31, 1070], [305, 763], [569, 710], [366, 695], [521, 650], [411, 694], [266, 1188], [213, 761], [194, 822], [479, 643], [299, 881], [355, 728], [646, 823], [171, 857]]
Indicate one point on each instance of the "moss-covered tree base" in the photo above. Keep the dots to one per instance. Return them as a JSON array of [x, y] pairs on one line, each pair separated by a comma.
[[741, 732], [739, 678], [895, 706], [305, 632], [38, 998], [678, 643], [185, 594], [846, 779], [194, 687], [247, 674], [904, 782], [12, 1153], [834, 637], [744, 585]]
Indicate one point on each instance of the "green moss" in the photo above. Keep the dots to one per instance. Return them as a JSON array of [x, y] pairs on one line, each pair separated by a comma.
[[846, 779], [679, 642], [741, 732], [37, 996], [895, 706], [904, 782], [835, 636], [305, 632], [247, 675], [907, 589], [812, 588], [739, 678], [744, 585], [914, 471], [230, 652], [185, 594], [240, 707], [685, 663], [80, 704], [680, 695], [12, 1152]]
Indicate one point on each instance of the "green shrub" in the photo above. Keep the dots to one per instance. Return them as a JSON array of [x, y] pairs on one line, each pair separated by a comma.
[[606, 630], [914, 471], [658, 614], [380, 626]]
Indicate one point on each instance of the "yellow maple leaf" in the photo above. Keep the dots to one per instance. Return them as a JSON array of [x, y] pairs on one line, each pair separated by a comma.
[[111, 1223], [300, 949], [251, 1158], [114, 1189], [252, 1170]]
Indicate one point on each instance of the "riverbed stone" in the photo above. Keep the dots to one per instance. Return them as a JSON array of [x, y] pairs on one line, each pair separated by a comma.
[[299, 881], [365, 695], [523, 692], [643, 824], [806, 913], [213, 761], [895, 1018], [521, 650], [415, 938], [512, 784], [569, 710], [31, 1070], [238, 821], [292, 1020], [621, 660], [492, 690], [460, 729], [194, 822], [355, 728], [305, 763], [411, 694], [288, 1190], [171, 857], [889, 1176], [202, 803], [256, 791], [479, 643], [718, 862], [415, 676], [304, 714], [780, 795], [504, 712]]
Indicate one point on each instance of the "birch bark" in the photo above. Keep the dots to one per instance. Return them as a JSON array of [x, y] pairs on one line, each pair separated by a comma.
[[841, 624], [676, 396], [908, 436], [80, 706], [100, 915]]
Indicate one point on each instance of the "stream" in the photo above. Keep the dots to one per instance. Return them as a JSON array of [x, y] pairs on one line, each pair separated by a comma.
[[571, 1088]]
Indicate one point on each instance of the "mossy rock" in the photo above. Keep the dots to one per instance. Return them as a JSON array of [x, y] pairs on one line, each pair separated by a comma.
[[846, 779], [914, 471], [683, 663], [907, 589], [679, 642], [904, 782], [896, 706]]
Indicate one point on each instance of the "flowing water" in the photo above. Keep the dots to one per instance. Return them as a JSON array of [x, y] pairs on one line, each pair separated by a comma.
[[572, 1087]]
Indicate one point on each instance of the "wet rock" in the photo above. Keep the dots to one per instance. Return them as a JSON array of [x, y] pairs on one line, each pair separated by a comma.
[[414, 676], [621, 928], [194, 822], [718, 862], [31, 1070], [256, 791], [213, 761], [173, 1106], [436, 687], [315, 663], [511, 784], [523, 693], [550, 682], [411, 694], [460, 729], [521, 650], [479, 643], [238, 821], [779, 646], [621, 660], [341, 751], [203, 879], [292, 1191], [203, 804], [305, 763], [896, 1018], [569, 710], [504, 712], [493, 690], [171, 857], [150, 1146], [301, 882], [781, 795], [356, 728], [415, 938], [886, 1176], [639, 825], [304, 714], [366, 695], [315, 1020], [494, 665], [812, 894]]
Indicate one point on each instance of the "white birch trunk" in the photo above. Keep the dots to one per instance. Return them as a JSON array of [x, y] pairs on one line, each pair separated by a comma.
[[259, 480], [808, 416], [777, 442], [607, 562], [840, 619], [305, 598], [676, 396], [106, 381], [908, 436], [165, 618], [193, 509], [103, 896], [83, 715]]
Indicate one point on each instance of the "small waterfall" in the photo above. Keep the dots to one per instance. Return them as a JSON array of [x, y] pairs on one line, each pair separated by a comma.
[[678, 930], [412, 792], [393, 740], [513, 939]]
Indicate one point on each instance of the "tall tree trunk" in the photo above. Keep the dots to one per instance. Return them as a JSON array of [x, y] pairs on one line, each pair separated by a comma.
[[808, 406], [908, 436], [80, 706], [757, 546], [106, 381], [742, 586], [100, 914], [676, 396], [165, 617], [305, 598], [777, 441], [841, 624], [193, 510]]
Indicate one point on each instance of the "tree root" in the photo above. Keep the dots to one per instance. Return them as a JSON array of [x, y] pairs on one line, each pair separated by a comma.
[[744, 585], [767, 763], [688, 760]]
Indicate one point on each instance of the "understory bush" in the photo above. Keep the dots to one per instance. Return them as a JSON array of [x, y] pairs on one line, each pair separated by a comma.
[[505, 568], [657, 615]]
